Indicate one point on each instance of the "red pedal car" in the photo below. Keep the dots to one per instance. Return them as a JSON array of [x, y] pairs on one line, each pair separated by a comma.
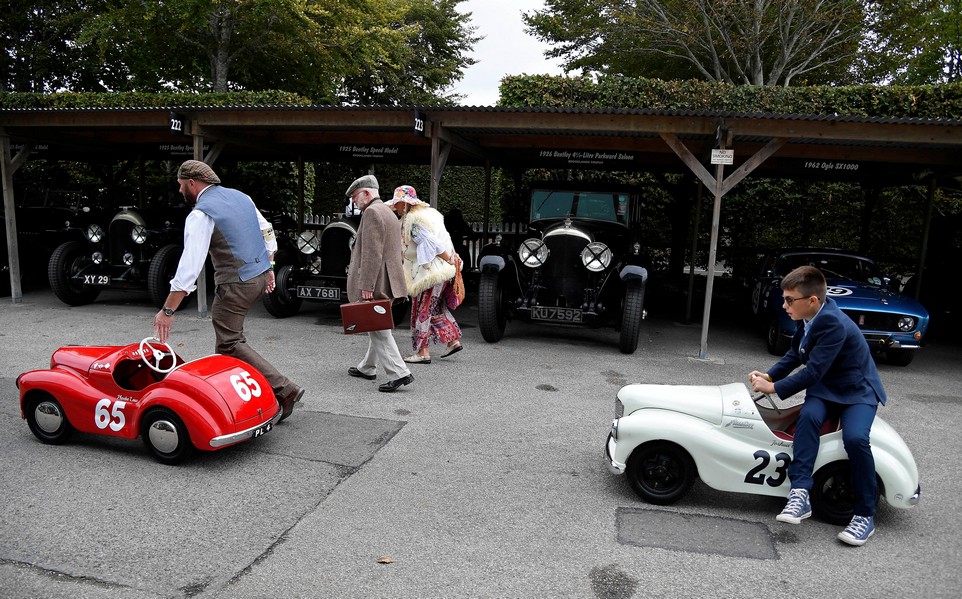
[[146, 390]]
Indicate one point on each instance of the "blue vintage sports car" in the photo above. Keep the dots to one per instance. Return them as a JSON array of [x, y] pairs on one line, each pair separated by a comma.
[[893, 324]]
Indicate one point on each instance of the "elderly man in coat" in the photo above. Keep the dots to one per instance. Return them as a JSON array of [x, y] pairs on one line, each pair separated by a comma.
[[376, 273]]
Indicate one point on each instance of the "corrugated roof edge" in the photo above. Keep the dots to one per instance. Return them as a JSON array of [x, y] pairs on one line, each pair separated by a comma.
[[531, 109]]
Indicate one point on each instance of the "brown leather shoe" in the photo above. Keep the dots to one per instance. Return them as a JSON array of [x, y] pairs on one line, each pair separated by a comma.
[[287, 404]]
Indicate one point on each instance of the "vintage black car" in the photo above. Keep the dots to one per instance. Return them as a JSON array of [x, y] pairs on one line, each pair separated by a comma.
[[138, 249], [44, 222], [581, 264], [311, 265]]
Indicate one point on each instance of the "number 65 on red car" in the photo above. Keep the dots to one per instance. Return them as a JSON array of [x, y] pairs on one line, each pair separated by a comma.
[[146, 390]]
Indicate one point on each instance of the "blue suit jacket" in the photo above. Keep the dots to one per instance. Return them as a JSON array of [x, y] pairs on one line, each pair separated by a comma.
[[838, 365]]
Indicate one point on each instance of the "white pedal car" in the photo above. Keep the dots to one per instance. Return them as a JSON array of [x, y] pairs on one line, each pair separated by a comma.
[[663, 436]]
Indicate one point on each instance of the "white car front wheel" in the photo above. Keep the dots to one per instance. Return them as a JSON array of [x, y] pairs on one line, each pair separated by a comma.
[[661, 472]]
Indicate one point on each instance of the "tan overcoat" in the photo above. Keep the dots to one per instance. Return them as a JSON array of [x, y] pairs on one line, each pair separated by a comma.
[[376, 259]]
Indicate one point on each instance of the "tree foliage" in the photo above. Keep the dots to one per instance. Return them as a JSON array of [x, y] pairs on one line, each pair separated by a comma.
[[755, 42], [912, 42], [39, 50], [363, 51]]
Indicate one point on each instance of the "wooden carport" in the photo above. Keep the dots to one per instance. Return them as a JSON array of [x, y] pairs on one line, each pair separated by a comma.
[[879, 150]]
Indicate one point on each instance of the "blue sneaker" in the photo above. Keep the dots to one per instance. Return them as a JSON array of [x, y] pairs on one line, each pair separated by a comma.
[[798, 507], [858, 531]]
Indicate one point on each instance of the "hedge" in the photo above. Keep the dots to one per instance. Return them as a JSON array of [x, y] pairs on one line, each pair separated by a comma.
[[897, 101]]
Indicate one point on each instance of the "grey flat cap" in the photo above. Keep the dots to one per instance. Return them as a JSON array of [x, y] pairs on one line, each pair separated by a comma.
[[367, 181]]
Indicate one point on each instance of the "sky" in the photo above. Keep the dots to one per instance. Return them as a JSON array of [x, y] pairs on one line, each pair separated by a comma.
[[505, 50]]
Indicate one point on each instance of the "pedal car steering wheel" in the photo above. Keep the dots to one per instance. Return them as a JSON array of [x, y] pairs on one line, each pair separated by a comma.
[[157, 347]]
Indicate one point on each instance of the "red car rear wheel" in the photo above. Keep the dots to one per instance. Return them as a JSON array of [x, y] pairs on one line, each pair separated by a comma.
[[165, 436]]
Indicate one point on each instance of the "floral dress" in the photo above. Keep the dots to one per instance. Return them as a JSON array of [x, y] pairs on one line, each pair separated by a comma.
[[430, 317]]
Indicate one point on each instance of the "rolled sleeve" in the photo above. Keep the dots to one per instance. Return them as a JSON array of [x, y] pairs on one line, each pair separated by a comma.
[[198, 229], [267, 230]]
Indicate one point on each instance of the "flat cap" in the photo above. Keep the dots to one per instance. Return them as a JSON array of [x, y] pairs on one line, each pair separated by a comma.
[[367, 181], [198, 171]]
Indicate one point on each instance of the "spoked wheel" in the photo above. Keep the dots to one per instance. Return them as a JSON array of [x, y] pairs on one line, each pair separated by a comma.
[[776, 342], [660, 472], [163, 267], [833, 497], [165, 436], [283, 301], [66, 261], [47, 420], [492, 316]]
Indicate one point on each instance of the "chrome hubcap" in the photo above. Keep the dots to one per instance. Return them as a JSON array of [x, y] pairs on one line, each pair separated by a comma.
[[163, 436], [48, 416]]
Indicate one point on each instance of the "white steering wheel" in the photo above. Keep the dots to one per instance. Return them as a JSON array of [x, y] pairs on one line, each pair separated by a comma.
[[157, 348]]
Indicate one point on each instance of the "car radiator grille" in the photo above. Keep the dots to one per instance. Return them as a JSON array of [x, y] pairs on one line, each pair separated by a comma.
[[874, 321], [120, 242], [564, 276]]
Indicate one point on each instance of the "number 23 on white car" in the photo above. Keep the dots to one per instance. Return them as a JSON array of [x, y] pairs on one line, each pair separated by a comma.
[[665, 436]]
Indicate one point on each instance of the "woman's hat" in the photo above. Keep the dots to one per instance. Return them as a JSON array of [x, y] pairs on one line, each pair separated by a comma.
[[406, 194]]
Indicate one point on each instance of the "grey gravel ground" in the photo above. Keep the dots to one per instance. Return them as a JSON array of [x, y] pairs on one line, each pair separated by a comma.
[[482, 479]]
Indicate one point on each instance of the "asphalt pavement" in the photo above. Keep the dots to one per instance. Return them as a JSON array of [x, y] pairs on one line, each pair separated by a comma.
[[484, 478]]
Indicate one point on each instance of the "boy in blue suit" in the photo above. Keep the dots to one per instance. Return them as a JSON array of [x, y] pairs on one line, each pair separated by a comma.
[[839, 377]]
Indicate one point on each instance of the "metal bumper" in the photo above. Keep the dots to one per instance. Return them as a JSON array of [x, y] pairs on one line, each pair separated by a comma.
[[613, 466], [914, 500], [245, 434]]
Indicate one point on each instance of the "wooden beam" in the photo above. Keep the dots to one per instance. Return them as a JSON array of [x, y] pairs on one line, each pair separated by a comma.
[[8, 165], [752, 163], [689, 159]]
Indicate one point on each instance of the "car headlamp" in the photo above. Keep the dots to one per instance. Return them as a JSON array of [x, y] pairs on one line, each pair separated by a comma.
[[94, 233], [128, 259], [308, 242], [619, 408], [97, 257], [596, 256], [614, 429], [533, 252], [139, 234], [315, 266], [906, 323]]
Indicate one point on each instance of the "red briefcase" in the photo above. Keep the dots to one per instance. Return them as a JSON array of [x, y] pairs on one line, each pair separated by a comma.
[[361, 317]]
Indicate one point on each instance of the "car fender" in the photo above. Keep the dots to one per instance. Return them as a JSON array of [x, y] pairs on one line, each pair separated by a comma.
[[203, 419], [634, 272], [895, 465], [65, 385], [491, 263], [654, 424]]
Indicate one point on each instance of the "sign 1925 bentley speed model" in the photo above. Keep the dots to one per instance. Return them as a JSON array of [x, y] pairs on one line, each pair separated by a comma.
[[581, 265]]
